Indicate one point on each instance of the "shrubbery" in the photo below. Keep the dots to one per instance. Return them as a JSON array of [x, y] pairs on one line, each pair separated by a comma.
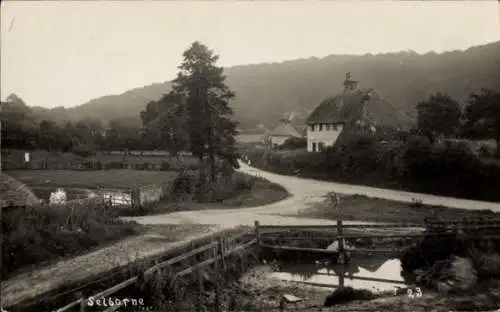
[[294, 143], [189, 185], [33, 235], [413, 164]]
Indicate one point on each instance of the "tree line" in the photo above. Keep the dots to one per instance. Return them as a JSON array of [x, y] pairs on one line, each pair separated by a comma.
[[441, 116], [22, 130], [195, 116]]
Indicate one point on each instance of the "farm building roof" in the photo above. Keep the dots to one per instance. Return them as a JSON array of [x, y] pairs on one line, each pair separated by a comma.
[[285, 129], [366, 104], [251, 131], [15, 193]]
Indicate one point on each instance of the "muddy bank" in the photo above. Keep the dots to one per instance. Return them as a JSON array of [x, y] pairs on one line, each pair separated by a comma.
[[464, 252]]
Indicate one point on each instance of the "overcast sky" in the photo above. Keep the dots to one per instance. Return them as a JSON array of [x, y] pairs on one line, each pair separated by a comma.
[[66, 53]]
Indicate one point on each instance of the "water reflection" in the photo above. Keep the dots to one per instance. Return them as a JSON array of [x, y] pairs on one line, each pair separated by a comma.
[[374, 274]]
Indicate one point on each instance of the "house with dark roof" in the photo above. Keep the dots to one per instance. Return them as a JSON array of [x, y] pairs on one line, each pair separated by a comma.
[[353, 109]]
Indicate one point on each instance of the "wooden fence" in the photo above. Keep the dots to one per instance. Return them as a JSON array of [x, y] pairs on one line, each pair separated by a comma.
[[226, 246], [221, 249], [476, 229]]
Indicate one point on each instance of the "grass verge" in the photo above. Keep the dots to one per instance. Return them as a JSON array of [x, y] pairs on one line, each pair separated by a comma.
[[364, 208], [240, 190], [38, 235]]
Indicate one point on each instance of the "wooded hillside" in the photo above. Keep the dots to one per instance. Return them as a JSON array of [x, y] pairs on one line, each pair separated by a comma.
[[264, 92]]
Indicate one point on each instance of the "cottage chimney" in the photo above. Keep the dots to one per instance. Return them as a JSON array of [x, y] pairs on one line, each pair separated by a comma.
[[349, 84], [285, 121]]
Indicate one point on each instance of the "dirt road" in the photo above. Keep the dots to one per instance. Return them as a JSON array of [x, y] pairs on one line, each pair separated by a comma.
[[305, 192]]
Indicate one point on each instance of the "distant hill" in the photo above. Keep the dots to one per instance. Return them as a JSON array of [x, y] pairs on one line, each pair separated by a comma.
[[264, 92]]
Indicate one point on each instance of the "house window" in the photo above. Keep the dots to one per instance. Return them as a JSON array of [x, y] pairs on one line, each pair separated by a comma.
[[312, 128], [314, 147], [320, 127], [327, 127], [334, 127]]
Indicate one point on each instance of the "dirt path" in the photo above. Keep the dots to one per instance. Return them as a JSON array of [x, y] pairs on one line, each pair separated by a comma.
[[305, 193]]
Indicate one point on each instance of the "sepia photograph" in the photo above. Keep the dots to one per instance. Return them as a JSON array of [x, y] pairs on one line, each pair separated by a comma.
[[250, 156]]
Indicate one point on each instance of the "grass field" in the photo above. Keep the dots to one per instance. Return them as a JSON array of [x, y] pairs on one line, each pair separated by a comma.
[[363, 208], [116, 179]]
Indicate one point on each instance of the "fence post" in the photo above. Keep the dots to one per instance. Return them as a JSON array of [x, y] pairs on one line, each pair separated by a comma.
[[83, 303], [222, 252], [217, 302], [135, 198], [342, 256], [175, 286], [340, 237], [341, 277], [257, 236], [199, 299]]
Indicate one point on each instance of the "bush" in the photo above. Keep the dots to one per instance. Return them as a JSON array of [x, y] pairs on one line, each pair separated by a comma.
[[225, 187], [294, 143], [448, 169], [165, 165], [33, 235], [242, 182], [183, 186], [485, 151]]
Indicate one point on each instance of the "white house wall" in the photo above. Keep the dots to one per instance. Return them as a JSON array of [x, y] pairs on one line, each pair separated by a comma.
[[327, 137]]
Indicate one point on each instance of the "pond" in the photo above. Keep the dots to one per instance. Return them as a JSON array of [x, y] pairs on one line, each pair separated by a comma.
[[374, 274]]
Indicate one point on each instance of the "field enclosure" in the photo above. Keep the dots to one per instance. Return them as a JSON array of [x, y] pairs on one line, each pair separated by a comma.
[[143, 160], [115, 179]]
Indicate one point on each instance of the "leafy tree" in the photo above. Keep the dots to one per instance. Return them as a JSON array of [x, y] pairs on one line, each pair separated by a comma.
[[49, 136], [482, 116], [68, 138], [121, 134], [206, 99], [89, 134], [164, 124], [18, 125], [438, 116]]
